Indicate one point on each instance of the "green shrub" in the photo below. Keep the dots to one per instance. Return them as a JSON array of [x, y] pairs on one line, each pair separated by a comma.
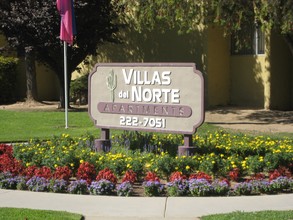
[[7, 79], [79, 89]]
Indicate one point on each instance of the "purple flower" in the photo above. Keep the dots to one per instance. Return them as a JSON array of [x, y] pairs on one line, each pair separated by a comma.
[[153, 188], [178, 187], [220, 188], [58, 185], [38, 184], [124, 189], [101, 187], [282, 183], [200, 187], [78, 187]]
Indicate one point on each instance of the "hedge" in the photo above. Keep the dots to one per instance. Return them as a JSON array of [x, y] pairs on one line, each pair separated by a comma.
[[7, 79]]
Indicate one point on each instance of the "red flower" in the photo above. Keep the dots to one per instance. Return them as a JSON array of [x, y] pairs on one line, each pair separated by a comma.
[[151, 177], [130, 176], [62, 173], [43, 172], [86, 171], [200, 175], [6, 149], [177, 176], [107, 174], [257, 176], [29, 172], [234, 174], [9, 164], [281, 171]]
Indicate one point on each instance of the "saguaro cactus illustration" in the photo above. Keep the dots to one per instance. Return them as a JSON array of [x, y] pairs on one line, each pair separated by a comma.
[[112, 83]]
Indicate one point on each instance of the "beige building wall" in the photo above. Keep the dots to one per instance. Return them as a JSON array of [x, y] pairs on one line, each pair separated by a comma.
[[158, 46], [249, 77], [218, 67], [207, 48], [263, 81]]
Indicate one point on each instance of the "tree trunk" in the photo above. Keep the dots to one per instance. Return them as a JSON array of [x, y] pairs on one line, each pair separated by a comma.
[[31, 76]]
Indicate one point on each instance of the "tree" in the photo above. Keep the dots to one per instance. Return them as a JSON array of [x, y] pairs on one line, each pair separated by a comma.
[[235, 17], [33, 26]]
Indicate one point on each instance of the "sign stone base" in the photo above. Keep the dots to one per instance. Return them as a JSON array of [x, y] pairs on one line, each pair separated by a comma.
[[186, 151], [102, 145]]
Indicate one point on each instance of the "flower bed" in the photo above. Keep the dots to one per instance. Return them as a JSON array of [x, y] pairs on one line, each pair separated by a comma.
[[223, 165]]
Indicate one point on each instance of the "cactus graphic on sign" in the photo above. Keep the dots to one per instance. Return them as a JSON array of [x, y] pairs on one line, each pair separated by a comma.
[[112, 84]]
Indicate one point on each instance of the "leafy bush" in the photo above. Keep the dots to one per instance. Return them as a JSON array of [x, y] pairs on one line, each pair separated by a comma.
[[79, 89], [7, 79]]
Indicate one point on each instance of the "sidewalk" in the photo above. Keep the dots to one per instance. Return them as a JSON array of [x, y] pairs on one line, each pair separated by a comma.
[[112, 207]]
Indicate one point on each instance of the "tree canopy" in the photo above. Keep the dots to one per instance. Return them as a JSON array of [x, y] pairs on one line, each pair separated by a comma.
[[35, 24], [234, 16]]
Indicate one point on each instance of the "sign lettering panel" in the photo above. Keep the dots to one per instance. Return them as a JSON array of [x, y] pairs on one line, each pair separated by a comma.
[[162, 97]]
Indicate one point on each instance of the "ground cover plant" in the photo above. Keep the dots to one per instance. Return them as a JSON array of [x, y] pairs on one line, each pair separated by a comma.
[[31, 214], [224, 164], [268, 215], [22, 125]]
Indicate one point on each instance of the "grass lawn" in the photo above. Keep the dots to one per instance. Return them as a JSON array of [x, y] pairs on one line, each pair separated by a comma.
[[23, 125], [267, 215], [31, 214]]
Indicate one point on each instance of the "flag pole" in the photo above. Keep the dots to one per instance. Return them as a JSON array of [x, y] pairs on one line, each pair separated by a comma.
[[65, 85]]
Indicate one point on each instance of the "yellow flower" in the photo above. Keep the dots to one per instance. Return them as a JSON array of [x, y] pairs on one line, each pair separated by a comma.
[[147, 165], [55, 165], [72, 165], [81, 161], [187, 167]]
